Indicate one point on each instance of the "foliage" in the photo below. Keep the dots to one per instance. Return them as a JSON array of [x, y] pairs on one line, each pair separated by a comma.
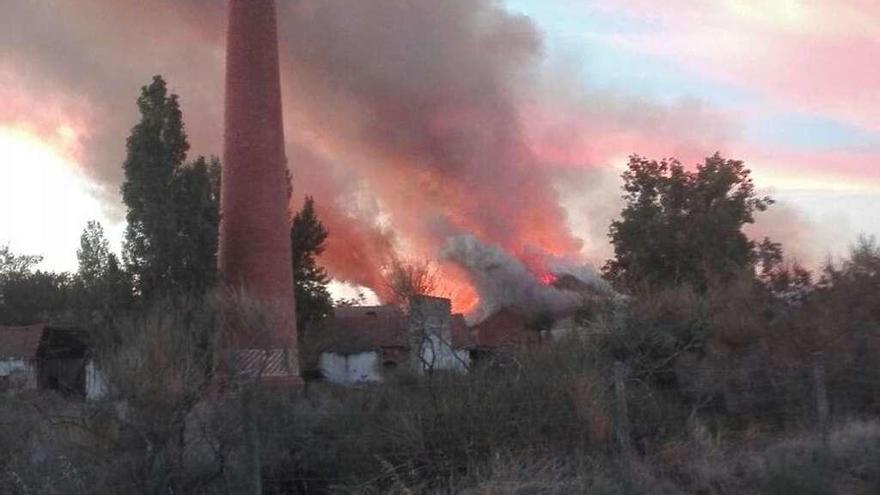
[[173, 208], [28, 295], [94, 254], [12, 264], [848, 292], [35, 297], [307, 238], [857, 273], [406, 278], [197, 211], [683, 227], [104, 285], [655, 331]]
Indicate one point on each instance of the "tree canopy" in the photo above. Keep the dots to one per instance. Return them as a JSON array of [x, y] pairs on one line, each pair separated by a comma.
[[684, 227], [29, 295], [307, 237], [103, 284], [173, 207]]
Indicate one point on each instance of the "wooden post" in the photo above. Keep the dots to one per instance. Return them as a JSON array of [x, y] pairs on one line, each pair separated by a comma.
[[821, 394], [251, 479], [621, 420]]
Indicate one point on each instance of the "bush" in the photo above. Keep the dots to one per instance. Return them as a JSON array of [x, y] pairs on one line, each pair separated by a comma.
[[439, 428]]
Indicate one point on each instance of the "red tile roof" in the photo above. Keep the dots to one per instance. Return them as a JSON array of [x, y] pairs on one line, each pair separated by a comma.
[[20, 342]]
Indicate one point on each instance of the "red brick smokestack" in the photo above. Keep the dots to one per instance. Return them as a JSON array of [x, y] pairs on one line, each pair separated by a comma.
[[254, 230]]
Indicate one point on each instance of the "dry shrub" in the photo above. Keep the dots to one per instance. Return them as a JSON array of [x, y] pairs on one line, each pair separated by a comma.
[[737, 315], [164, 426], [588, 396], [426, 431], [527, 473]]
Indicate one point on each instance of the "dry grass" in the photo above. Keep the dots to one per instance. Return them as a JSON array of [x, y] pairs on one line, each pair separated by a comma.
[[712, 412]]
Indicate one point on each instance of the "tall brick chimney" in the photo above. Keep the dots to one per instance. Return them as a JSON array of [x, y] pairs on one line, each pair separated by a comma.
[[254, 251]]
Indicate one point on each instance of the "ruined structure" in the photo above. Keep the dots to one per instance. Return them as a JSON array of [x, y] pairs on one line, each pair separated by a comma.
[[367, 344], [254, 252], [46, 357]]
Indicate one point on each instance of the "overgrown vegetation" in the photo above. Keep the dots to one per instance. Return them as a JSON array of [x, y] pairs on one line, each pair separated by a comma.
[[702, 375], [307, 241], [545, 423]]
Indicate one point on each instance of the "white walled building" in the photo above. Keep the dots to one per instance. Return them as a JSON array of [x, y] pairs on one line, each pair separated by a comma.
[[18, 357], [361, 345], [357, 368]]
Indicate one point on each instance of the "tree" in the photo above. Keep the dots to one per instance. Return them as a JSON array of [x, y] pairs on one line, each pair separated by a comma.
[[103, 284], [307, 237], [851, 286], [683, 227], [93, 254], [408, 278], [173, 213], [197, 202], [27, 295], [12, 264]]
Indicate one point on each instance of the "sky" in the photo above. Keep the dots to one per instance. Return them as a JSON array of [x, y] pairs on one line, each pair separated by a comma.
[[790, 87]]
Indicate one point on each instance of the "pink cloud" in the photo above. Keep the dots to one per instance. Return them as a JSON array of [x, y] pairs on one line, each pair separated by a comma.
[[818, 58]]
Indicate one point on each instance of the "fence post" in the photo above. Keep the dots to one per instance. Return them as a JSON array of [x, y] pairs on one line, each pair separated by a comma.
[[821, 394], [621, 420], [251, 458]]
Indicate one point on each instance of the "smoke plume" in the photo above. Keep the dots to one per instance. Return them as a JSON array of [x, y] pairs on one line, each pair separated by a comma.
[[422, 128]]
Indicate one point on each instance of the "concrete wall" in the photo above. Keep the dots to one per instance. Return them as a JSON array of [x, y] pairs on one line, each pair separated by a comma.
[[18, 374], [430, 328], [96, 381], [351, 369], [437, 354]]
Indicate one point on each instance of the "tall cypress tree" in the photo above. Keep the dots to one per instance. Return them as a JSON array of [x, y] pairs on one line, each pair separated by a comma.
[[196, 199], [307, 237], [173, 213]]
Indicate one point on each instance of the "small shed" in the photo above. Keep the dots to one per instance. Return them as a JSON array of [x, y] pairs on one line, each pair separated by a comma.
[[48, 357]]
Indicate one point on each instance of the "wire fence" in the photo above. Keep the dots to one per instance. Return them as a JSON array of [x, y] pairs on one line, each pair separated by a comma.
[[422, 428]]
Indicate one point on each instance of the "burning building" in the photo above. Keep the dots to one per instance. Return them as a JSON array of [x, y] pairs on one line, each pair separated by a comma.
[[365, 344]]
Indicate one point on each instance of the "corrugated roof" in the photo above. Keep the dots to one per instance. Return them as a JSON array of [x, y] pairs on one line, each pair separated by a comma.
[[21, 342]]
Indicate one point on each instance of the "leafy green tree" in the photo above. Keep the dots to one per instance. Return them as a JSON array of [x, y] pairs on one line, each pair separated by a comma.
[[93, 254], [27, 295], [852, 286], [173, 208], [307, 238], [197, 201], [12, 264], [103, 285], [684, 227], [40, 296]]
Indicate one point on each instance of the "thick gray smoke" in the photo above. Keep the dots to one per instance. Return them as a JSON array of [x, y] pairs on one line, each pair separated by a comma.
[[503, 281], [415, 124]]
